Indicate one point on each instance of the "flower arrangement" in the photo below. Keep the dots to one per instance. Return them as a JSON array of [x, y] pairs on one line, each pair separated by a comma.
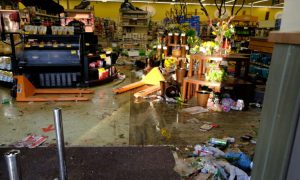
[[223, 30], [170, 63], [206, 48]]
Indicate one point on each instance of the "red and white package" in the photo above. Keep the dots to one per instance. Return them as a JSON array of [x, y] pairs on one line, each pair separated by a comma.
[[31, 141]]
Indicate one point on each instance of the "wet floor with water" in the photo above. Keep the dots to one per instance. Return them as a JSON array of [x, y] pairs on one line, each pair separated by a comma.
[[118, 120]]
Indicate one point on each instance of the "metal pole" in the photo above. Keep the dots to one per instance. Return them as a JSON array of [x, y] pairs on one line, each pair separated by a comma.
[[13, 165], [60, 143]]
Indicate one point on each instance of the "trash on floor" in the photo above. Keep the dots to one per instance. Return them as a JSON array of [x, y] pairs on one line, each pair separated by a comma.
[[195, 110], [165, 133], [215, 103], [208, 126], [240, 160], [246, 137], [218, 142], [121, 76], [207, 162], [31, 141], [193, 121], [5, 101], [49, 128], [230, 140]]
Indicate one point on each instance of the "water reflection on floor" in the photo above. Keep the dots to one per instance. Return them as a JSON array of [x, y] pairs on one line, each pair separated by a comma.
[[117, 120]]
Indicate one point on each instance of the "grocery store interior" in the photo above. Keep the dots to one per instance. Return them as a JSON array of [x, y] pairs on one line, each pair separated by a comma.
[[141, 89]]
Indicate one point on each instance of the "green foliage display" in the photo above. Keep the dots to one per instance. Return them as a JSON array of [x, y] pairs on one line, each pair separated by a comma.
[[215, 74]]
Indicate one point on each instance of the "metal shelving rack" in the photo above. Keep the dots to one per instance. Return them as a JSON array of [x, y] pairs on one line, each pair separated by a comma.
[[134, 29], [12, 55]]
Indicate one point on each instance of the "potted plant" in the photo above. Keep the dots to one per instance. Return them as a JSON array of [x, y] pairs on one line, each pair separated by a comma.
[[215, 73]]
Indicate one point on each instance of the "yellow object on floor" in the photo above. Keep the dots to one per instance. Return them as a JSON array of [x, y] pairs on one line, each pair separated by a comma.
[[152, 78]]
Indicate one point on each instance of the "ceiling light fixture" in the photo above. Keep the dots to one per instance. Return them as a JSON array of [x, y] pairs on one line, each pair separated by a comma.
[[256, 2], [230, 1]]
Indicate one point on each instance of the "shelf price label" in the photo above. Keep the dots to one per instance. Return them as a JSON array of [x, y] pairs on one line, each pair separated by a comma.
[[41, 45], [102, 56], [55, 45], [27, 46], [73, 52], [87, 44], [69, 45]]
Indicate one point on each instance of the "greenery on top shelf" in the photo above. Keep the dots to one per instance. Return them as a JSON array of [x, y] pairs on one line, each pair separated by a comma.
[[181, 28]]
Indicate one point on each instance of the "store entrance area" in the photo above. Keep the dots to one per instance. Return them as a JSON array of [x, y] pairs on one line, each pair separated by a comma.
[[191, 90]]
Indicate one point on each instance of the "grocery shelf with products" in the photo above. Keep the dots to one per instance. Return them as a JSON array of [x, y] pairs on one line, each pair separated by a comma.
[[62, 61], [260, 59], [135, 25], [245, 27], [52, 60], [71, 18], [105, 29], [10, 50], [34, 16]]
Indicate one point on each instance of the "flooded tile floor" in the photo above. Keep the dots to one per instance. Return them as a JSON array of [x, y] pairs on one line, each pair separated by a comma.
[[116, 120]]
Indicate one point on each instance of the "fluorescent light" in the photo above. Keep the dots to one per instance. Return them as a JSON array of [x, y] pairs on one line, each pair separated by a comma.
[[230, 1], [256, 2]]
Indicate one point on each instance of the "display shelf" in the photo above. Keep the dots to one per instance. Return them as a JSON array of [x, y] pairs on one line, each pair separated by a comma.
[[6, 84], [46, 15], [135, 18], [34, 36], [38, 63], [52, 48], [50, 65], [129, 25], [130, 17], [5, 55], [2, 69], [134, 12], [77, 11], [260, 64], [8, 10], [176, 45], [103, 81]]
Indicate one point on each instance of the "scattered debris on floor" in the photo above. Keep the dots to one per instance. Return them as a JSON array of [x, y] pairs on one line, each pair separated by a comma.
[[225, 104], [193, 121], [31, 141], [217, 159], [208, 126], [6, 101], [121, 76], [246, 137], [195, 110], [49, 128]]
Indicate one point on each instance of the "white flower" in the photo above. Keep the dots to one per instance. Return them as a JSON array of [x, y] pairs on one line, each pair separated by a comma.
[[202, 49]]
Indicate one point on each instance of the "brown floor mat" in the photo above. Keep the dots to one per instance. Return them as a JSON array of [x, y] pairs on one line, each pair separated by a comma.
[[91, 163]]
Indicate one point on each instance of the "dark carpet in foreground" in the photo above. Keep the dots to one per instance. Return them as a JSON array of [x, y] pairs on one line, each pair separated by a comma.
[[84, 163]]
